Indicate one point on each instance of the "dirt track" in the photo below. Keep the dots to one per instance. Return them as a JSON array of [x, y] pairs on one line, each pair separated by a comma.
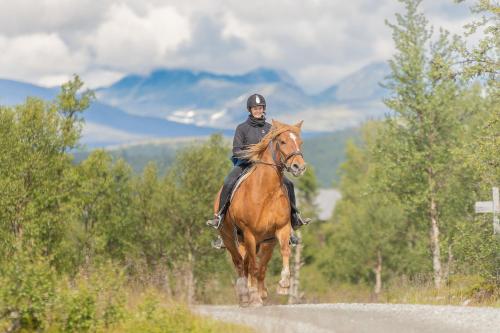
[[360, 318]]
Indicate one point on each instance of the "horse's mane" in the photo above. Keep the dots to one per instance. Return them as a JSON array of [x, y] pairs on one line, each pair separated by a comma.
[[254, 152]]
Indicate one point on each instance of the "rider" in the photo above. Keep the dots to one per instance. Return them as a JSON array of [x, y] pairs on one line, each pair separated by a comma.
[[247, 133]]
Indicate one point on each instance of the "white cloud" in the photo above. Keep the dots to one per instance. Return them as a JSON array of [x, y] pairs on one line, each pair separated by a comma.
[[43, 16], [130, 41], [328, 118], [97, 134], [317, 41], [316, 77], [38, 57], [101, 77]]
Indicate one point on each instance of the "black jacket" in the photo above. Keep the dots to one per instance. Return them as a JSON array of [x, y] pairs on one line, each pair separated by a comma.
[[248, 133]]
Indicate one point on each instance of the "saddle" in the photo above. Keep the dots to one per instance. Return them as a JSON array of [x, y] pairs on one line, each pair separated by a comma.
[[241, 179]]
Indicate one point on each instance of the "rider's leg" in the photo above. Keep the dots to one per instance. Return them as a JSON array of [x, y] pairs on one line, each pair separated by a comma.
[[291, 193], [297, 220], [227, 188], [225, 195]]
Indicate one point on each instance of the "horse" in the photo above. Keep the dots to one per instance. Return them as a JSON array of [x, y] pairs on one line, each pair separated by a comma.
[[259, 213]]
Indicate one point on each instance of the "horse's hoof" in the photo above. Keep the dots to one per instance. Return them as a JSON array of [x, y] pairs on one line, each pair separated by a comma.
[[241, 286], [256, 304], [263, 294], [243, 298], [284, 283], [281, 290], [255, 300]]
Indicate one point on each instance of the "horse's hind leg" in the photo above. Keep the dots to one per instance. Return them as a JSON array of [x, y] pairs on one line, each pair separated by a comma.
[[253, 291], [265, 254], [241, 283], [283, 236]]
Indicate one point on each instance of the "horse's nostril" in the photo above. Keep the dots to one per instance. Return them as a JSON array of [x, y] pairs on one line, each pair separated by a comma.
[[295, 166]]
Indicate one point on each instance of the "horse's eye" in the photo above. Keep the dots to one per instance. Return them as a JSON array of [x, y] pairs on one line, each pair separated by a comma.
[[283, 142]]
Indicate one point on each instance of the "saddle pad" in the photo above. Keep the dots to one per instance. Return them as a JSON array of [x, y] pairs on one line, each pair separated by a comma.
[[241, 180]]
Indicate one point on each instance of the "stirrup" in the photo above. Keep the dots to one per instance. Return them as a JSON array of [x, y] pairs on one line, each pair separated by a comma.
[[216, 221], [294, 240], [302, 220], [298, 221]]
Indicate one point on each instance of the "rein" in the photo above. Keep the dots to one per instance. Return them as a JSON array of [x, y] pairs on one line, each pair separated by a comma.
[[281, 163]]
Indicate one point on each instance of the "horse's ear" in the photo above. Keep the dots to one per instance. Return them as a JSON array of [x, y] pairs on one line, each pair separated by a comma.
[[276, 123], [299, 124]]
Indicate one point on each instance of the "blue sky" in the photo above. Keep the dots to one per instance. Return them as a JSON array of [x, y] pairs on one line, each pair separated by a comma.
[[317, 42]]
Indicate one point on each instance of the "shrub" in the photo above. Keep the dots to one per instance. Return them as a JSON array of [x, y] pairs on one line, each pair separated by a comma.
[[27, 291]]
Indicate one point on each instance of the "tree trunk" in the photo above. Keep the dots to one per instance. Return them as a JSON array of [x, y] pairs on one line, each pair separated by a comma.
[[447, 271], [436, 254], [166, 282], [378, 274], [189, 279], [162, 277], [294, 297]]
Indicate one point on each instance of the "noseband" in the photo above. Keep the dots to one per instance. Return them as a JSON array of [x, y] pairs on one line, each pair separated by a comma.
[[279, 158]]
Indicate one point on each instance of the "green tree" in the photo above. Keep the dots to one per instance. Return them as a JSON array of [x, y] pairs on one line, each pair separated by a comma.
[[426, 126], [152, 227], [307, 190], [99, 210], [33, 139], [190, 188], [368, 232], [481, 62]]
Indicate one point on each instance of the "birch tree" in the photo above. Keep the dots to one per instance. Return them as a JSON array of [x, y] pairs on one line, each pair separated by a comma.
[[426, 122]]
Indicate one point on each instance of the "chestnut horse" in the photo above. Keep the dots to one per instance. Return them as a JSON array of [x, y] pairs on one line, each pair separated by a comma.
[[260, 210]]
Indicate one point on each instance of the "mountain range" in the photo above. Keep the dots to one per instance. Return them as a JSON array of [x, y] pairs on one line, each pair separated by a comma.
[[187, 103]]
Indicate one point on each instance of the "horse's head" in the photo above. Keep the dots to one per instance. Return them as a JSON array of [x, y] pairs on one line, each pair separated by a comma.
[[288, 146]]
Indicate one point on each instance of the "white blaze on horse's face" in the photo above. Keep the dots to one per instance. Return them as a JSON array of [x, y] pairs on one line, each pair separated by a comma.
[[297, 170], [294, 138]]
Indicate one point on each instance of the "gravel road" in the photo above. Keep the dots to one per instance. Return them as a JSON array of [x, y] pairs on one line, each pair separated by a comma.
[[360, 318]]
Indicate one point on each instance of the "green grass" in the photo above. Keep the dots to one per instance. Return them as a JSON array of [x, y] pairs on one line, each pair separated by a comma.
[[174, 318]]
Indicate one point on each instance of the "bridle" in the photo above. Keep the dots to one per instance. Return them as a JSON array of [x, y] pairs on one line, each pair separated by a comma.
[[279, 158]]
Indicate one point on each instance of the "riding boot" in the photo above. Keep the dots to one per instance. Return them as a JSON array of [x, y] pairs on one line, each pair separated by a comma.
[[297, 220]]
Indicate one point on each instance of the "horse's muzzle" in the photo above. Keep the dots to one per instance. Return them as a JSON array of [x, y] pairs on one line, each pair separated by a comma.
[[297, 170]]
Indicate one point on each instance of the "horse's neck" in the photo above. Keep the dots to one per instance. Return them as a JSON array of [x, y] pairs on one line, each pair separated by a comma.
[[268, 174]]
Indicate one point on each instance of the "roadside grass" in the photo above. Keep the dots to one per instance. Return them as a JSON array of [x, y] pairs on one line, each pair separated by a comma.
[[459, 290], [469, 290], [171, 317]]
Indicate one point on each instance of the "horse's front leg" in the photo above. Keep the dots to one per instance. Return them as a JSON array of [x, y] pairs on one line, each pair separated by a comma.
[[230, 242], [265, 254], [251, 256], [283, 236]]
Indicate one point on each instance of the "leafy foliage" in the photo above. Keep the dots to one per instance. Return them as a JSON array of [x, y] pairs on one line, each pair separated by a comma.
[[419, 172]]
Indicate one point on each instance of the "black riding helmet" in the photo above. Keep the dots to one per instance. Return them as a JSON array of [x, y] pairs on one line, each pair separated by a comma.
[[256, 100]]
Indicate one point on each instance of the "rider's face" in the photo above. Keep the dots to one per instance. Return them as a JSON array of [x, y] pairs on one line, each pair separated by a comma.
[[257, 111]]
